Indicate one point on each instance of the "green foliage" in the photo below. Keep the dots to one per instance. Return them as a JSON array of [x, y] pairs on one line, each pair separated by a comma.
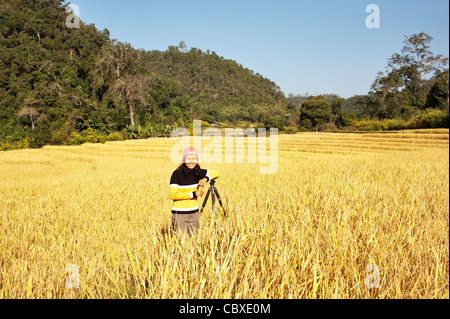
[[71, 86], [80, 79], [439, 92], [380, 125], [76, 139], [144, 132], [132, 133], [290, 130], [92, 136], [115, 136], [430, 118], [414, 79], [18, 145], [59, 138], [276, 121], [315, 111]]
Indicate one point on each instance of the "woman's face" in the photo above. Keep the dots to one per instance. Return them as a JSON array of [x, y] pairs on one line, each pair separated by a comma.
[[191, 161]]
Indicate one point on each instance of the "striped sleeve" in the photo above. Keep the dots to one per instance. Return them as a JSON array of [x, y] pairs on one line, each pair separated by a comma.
[[175, 189], [209, 174], [212, 174]]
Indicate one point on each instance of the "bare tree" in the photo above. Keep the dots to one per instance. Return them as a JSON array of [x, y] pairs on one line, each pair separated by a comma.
[[131, 90], [119, 63], [29, 111]]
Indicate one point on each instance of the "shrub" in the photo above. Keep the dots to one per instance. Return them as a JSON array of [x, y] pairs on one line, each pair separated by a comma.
[[115, 136], [380, 125], [7, 147], [132, 132], [93, 137], [25, 143], [76, 139], [430, 118], [59, 138], [290, 130]]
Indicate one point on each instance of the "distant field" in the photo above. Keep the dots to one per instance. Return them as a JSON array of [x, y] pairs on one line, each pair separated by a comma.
[[345, 216]]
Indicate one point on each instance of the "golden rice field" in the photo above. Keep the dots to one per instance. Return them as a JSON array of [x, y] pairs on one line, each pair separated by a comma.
[[97, 217]]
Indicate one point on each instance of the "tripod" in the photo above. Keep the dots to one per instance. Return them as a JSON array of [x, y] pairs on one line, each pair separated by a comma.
[[213, 191]]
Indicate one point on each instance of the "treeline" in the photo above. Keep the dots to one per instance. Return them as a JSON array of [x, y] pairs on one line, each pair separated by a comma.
[[413, 92], [61, 85], [57, 82]]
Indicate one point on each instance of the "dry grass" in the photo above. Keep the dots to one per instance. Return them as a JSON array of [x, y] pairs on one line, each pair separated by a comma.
[[338, 203]]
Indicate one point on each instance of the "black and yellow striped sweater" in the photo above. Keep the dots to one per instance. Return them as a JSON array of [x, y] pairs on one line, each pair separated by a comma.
[[183, 188]]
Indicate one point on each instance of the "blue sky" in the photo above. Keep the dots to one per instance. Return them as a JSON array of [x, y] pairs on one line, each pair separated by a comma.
[[313, 47]]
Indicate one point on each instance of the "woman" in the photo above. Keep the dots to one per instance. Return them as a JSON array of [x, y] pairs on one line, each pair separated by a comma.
[[186, 185]]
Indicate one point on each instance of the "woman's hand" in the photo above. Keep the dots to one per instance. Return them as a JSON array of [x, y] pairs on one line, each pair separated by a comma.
[[202, 182], [199, 192]]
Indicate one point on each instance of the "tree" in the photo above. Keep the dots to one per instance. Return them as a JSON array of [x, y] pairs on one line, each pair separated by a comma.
[[382, 90], [336, 108], [118, 63], [315, 111], [182, 46], [29, 111], [416, 61], [83, 79], [438, 97], [405, 85]]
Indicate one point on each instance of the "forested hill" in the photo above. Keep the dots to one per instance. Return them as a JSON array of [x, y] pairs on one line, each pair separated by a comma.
[[56, 81]]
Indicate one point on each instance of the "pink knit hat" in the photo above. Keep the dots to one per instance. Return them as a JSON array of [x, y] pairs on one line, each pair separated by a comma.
[[190, 151]]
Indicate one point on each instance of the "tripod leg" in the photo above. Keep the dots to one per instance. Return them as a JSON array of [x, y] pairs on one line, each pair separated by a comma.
[[213, 197], [220, 202], [213, 193], [206, 200]]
